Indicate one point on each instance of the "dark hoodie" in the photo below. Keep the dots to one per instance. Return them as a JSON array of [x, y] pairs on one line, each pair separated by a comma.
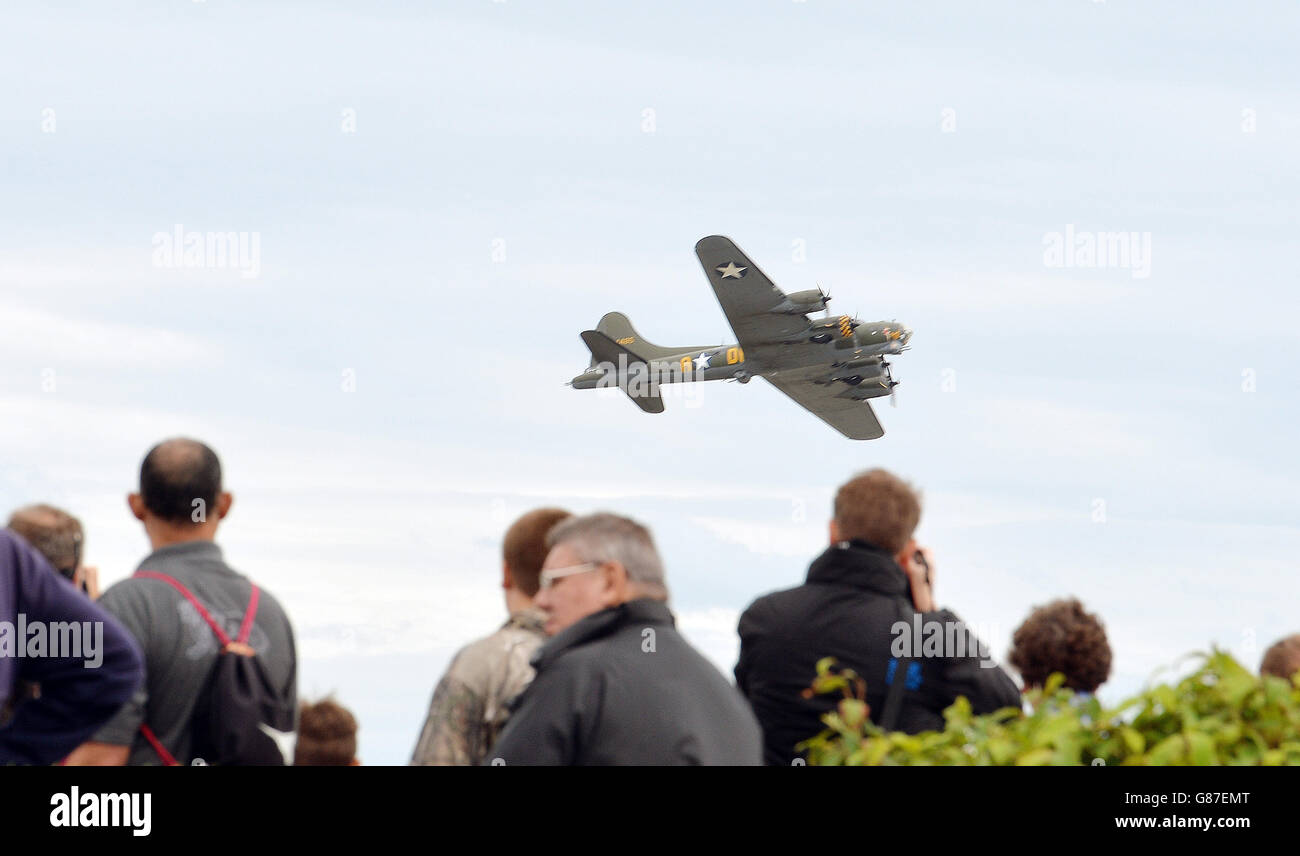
[[847, 609]]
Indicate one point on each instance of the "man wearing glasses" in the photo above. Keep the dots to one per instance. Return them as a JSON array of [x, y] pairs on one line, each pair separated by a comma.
[[616, 683]]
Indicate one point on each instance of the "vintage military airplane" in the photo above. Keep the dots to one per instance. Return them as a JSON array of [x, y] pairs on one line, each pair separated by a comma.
[[831, 366]]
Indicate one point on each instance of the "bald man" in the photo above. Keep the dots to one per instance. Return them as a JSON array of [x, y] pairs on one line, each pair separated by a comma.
[[181, 502]]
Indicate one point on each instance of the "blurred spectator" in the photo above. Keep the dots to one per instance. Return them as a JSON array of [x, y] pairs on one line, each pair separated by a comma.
[[868, 603], [58, 536], [86, 664], [470, 703], [1062, 637], [1282, 659], [617, 684], [327, 736], [181, 502]]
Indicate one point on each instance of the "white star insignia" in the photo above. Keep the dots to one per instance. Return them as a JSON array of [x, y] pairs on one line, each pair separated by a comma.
[[702, 361], [730, 270]]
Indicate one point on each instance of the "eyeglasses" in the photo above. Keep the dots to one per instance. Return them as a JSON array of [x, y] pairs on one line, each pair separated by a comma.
[[549, 576]]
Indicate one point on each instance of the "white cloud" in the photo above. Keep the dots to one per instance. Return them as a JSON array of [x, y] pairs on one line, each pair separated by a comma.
[[713, 633], [798, 540], [1060, 429], [56, 339]]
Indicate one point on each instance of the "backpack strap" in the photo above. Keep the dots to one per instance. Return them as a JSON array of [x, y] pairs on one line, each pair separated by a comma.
[[239, 645], [894, 699], [194, 602], [250, 613], [167, 758]]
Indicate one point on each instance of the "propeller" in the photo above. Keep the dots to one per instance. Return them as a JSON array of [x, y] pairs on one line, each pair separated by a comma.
[[826, 299], [889, 379]]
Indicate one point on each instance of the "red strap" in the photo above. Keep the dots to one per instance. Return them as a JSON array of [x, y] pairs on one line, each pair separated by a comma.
[[249, 614], [166, 756], [245, 629], [194, 601]]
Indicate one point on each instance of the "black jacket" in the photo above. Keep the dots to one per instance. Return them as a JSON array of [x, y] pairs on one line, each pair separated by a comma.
[[848, 610], [623, 687]]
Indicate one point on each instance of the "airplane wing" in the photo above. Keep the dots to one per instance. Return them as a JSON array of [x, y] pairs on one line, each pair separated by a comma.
[[747, 296], [854, 419]]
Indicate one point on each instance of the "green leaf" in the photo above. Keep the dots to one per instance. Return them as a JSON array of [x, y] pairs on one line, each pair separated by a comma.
[[1001, 750], [853, 712], [1168, 752], [1201, 749], [1036, 758], [1133, 740]]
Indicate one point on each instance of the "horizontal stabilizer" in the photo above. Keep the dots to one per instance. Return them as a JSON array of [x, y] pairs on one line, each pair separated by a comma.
[[634, 376]]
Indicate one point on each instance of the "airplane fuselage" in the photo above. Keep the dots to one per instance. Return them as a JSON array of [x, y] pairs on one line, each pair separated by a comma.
[[849, 349]]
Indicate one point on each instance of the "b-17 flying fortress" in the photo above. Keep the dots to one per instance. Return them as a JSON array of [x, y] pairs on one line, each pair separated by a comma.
[[831, 365]]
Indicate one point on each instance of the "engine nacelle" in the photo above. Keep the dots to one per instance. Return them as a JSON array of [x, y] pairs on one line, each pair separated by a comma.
[[861, 392], [835, 322], [857, 361], [862, 371], [802, 302], [876, 350]]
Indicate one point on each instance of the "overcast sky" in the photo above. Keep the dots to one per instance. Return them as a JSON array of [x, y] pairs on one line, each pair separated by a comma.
[[442, 198]]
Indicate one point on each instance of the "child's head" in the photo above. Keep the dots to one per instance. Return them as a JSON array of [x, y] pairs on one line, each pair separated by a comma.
[[327, 736]]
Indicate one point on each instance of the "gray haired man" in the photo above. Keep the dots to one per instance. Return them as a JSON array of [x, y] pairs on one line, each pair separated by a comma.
[[616, 683]]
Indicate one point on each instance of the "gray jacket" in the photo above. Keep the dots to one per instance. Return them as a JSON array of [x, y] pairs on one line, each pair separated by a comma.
[[623, 687]]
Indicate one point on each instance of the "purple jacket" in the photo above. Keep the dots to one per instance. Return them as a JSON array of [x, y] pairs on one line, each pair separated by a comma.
[[86, 664]]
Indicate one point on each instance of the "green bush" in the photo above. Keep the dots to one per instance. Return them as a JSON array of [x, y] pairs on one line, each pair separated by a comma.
[[1221, 714]]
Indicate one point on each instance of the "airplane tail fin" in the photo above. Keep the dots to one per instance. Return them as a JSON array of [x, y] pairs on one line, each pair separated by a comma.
[[634, 376], [619, 328]]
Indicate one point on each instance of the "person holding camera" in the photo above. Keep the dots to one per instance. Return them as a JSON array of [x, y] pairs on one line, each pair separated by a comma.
[[59, 537], [867, 602]]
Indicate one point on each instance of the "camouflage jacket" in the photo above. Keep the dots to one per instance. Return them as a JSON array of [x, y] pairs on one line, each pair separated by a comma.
[[471, 702]]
